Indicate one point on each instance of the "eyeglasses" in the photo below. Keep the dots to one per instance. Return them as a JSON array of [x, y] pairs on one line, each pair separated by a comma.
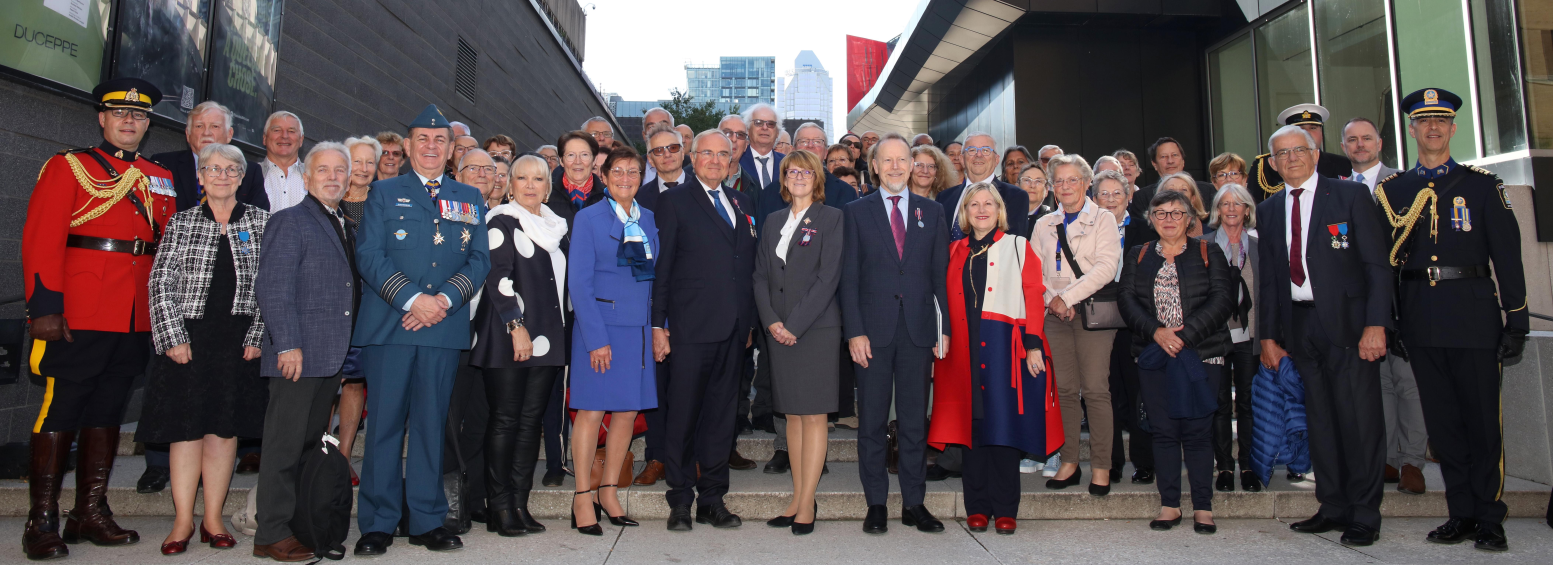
[[502, 153], [462, 148], [852, 144], [487, 169], [763, 123], [1105, 194], [579, 156], [1227, 175], [1296, 151], [602, 135], [724, 155], [983, 150], [812, 144], [120, 113], [736, 134], [1070, 181], [617, 171], [1033, 181], [924, 166], [233, 171], [395, 153], [665, 150], [804, 174], [1175, 215]]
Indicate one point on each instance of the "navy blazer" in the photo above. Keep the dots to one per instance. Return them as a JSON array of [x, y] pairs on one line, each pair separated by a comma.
[[185, 181], [1353, 287], [603, 292], [705, 269], [305, 290], [1016, 203], [747, 163], [877, 284], [837, 194], [648, 194]]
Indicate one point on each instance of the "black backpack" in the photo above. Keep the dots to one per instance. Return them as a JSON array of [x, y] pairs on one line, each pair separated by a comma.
[[324, 499]]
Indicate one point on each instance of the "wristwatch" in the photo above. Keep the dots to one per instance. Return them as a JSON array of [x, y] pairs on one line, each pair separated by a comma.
[[514, 325]]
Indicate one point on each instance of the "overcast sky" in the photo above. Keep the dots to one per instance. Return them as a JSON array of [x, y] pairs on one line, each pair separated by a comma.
[[638, 48]]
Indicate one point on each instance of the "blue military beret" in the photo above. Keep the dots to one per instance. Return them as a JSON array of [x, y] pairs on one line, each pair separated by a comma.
[[431, 117]]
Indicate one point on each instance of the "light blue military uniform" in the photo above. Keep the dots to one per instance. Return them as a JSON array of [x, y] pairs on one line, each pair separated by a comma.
[[411, 243]]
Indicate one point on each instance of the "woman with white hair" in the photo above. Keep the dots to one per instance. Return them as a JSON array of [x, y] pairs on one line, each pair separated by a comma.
[[364, 154], [1232, 224]]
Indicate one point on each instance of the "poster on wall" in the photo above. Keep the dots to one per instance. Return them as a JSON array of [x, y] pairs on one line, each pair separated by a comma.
[[164, 42], [59, 40], [242, 69]]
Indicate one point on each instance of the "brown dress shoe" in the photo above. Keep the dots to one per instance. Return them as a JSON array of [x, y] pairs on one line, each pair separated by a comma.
[[286, 550], [738, 462], [249, 464], [1392, 474], [650, 474], [1412, 481], [40, 539], [91, 520]]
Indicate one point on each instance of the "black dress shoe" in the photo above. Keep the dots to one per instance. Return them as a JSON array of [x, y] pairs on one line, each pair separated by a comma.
[[1072, 480], [1202, 528], [935, 472], [1099, 490], [553, 478], [1359, 535], [1491, 538], [1454, 531], [1163, 525], [679, 519], [529, 523], [778, 464], [1294, 477], [1317, 524], [1116, 473], [919, 516], [438, 539], [877, 521], [718, 516], [373, 543], [153, 480], [1249, 482], [744, 427], [1143, 477], [1225, 482]]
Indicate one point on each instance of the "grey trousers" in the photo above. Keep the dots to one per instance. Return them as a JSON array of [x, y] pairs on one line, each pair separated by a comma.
[[1406, 438], [298, 414]]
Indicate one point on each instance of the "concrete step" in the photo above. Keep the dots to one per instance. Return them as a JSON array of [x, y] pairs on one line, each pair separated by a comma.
[[758, 496]]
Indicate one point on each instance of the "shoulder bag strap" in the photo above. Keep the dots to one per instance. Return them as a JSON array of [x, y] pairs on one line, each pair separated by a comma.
[[1062, 243]]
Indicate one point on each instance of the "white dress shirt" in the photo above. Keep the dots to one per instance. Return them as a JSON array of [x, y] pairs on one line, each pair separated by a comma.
[[722, 194], [1369, 176], [652, 172], [284, 187], [765, 169], [885, 194], [787, 231], [1300, 292], [681, 180]]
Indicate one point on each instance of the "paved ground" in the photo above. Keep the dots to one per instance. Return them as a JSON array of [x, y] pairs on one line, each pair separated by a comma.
[[1038, 541]]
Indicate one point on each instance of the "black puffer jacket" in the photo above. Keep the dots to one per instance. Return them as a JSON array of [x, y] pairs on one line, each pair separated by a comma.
[[1207, 296]]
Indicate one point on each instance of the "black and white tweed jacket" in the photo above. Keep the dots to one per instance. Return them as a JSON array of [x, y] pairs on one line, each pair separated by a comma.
[[185, 259]]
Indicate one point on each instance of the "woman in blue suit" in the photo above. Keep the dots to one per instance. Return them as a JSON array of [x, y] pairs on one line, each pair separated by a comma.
[[611, 273]]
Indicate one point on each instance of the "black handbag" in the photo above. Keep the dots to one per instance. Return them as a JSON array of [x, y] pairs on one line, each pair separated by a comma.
[[1100, 311]]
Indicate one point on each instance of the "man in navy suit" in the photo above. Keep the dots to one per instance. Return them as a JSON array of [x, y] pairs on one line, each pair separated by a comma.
[[666, 150], [209, 122], [1325, 288], [892, 294], [703, 311], [760, 162], [421, 252], [981, 165]]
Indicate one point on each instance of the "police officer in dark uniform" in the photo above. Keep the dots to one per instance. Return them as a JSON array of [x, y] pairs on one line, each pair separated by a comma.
[[92, 226], [1450, 222], [1312, 118]]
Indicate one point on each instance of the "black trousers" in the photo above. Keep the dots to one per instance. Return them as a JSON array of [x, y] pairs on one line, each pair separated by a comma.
[[464, 446], [1239, 369], [557, 441], [698, 412], [1173, 437], [990, 477], [848, 382], [903, 366], [1125, 396], [516, 398], [297, 415], [1344, 416], [88, 381], [657, 423], [1460, 392]]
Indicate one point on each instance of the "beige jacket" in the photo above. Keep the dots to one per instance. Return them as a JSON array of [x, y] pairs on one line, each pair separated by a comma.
[[1095, 243]]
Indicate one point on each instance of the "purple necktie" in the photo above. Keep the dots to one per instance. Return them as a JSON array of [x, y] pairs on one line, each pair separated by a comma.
[[898, 226]]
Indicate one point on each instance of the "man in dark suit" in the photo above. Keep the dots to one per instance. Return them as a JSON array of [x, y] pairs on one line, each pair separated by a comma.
[[666, 150], [896, 259], [704, 312], [1325, 289], [305, 287], [981, 165], [209, 122], [1168, 158], [761, 160]]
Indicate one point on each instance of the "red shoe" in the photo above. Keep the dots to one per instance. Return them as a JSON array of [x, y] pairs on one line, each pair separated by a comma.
[[1006, 526], [355, 480], [177, 547], [976, 522], [217, 541]]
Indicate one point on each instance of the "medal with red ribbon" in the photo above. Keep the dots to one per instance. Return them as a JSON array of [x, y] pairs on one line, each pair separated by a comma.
[[1339, 235]]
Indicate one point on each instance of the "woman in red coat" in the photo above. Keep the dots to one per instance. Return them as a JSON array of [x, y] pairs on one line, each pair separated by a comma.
[[995, 398]]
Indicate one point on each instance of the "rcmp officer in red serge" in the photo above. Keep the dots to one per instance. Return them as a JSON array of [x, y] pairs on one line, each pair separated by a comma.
[[1265, 182], [1450, 222], [92, 227]]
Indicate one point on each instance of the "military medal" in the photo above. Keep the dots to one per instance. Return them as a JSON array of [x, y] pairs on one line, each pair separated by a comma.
[[437, 238], [1461, 217], [806, 221], [919, 219], [806, 234], [1339, 230], [243, 237], [464, 240]]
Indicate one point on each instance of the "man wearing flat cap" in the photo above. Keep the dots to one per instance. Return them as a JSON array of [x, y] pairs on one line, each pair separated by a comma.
[[1460, 318], [1312, 118], [92, 227], [420, 253]]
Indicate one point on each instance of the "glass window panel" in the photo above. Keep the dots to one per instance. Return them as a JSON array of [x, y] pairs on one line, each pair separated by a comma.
[[1536, 20], [243, 68], [1283, 65], [64, 44], [1232, 96], [1355, 70], [1432, 53], [164, 43], [1499, 76]]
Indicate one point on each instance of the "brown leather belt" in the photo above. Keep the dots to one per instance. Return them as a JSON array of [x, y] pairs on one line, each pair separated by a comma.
[[135, 247], [1433, 274]]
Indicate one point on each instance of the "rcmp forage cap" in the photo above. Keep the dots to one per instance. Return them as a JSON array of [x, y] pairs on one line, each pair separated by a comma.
[[431, 117], [126, 92], [1431, 102], [1304, 114]]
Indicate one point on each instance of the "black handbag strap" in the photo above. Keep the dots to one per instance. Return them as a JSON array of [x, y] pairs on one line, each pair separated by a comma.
[[1062, 243]]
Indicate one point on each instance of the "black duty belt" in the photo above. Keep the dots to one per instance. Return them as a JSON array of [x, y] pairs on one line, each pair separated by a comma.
[[1434, 274], [135, 247]]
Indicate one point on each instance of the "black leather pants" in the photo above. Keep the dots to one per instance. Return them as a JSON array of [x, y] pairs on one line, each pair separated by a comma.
[[517, 398]]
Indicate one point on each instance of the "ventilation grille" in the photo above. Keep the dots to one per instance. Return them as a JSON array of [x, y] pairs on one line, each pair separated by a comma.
[[466, 74]]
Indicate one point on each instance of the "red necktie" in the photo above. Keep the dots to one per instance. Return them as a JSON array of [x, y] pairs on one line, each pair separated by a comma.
[[1296, 243], [898, 226]]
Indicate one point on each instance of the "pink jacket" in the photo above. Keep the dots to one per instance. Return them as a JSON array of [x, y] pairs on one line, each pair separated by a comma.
[[1095, 244]]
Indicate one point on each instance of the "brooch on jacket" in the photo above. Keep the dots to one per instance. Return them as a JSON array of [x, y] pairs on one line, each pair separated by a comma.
[[806, 233]]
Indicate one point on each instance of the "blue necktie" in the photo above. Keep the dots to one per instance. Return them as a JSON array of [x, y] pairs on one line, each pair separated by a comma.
[[718, 203]]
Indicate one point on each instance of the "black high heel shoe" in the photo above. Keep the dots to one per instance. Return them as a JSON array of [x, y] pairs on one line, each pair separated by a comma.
[[593, 530], [1059, 484], [802, 529], [621, 520]]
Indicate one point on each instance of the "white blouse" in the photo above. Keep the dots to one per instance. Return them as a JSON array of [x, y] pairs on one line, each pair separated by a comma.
[[787, 232]]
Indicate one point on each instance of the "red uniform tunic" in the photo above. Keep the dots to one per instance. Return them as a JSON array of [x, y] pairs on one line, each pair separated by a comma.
[[95, 290]]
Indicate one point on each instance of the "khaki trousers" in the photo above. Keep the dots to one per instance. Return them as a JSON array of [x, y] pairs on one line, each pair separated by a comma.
[[1081, 363]]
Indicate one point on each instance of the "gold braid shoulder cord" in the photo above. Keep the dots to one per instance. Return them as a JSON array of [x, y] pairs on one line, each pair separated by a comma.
[[1261, 178], [1405, 222], [112, 190]]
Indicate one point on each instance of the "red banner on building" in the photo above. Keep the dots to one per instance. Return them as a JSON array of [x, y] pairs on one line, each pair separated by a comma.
[[865, 60]]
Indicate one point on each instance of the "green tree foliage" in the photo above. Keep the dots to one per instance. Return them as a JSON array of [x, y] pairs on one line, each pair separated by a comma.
[[700, 116]]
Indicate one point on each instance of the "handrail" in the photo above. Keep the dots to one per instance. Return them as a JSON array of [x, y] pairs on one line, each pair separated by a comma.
[[1541, 316]]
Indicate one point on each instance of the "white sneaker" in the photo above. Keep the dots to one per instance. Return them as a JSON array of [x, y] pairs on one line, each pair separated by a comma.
[[1029, 466], [1052, 464]]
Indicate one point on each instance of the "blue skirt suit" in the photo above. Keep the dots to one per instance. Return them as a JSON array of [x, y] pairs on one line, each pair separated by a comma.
[[614, 309]]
